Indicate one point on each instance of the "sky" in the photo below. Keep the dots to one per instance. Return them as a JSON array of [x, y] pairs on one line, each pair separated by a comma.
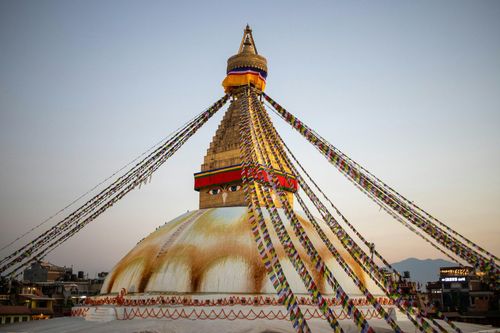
[[409, 89]]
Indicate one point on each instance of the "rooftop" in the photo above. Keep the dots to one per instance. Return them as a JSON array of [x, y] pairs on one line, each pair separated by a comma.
[[14, 310]]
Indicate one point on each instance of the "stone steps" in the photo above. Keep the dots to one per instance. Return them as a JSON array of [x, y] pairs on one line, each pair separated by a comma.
[[101, 314]]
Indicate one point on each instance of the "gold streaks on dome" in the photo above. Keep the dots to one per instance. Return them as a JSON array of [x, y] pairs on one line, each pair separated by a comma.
[[213, 251]]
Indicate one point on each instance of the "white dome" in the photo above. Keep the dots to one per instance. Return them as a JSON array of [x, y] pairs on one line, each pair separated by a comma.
[[213, 251]]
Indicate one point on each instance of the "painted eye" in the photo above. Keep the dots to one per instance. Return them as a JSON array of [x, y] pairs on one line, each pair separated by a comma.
[[214, 191], [234, 188]]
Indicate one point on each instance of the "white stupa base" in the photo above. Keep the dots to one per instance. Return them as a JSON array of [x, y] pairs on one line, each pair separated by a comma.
[[104, 313], [226, 313], [78, 324], [214, 306], [232, 318]]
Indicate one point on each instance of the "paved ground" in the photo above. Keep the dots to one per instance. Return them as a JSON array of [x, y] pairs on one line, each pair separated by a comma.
[[74, 324]]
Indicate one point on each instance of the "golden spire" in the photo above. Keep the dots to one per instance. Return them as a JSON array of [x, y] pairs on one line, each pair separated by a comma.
[[220, 180], [247, 54], [247, 44]]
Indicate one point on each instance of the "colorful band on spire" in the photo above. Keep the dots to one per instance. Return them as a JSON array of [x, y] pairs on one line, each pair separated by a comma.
[[233, 174], [244, 76]]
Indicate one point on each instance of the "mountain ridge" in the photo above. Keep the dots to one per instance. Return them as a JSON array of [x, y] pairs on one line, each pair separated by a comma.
[[422, 270]]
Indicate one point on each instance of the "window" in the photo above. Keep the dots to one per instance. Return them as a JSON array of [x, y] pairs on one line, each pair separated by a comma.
[[16, 319]]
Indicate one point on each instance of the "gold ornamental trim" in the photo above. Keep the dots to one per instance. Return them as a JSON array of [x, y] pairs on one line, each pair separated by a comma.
[[247, 60]]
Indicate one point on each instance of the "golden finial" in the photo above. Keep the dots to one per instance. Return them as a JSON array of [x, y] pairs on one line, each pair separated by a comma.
[[247, 44], [247, 54]]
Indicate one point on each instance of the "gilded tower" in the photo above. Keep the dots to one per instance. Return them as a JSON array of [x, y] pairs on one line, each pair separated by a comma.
[[219, 181]]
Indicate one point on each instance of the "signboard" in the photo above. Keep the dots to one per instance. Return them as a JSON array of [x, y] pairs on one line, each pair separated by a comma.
[[454, 271], [453, 279]]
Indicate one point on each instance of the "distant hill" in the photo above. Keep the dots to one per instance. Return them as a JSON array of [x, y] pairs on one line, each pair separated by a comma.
[[422, 271]]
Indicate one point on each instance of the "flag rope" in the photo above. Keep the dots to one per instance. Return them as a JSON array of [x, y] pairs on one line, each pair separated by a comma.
[[63, 230], [351, 171]]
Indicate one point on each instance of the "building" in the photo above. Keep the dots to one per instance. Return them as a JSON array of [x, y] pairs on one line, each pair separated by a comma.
[[465, 295], [62, 294], [14, 314], [41, 271], [48, 291], [434, 296], [40, 306], [455, 288]]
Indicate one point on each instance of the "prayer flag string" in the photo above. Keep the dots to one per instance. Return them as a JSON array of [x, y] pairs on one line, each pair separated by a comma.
[[279, 155], [273, 136], [285, 240], [273, 266], [376, 190], [74, 222]]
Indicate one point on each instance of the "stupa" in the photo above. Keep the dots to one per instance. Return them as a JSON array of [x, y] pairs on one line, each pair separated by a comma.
[[212, 250], [208, 258], [247, 261], [246, 255]]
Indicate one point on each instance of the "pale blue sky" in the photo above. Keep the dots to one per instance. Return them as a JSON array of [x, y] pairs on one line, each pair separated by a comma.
[[410, 89]]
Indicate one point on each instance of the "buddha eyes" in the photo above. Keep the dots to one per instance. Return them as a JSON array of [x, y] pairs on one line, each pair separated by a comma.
[[234, 188], [215, 191], [219, 190]]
